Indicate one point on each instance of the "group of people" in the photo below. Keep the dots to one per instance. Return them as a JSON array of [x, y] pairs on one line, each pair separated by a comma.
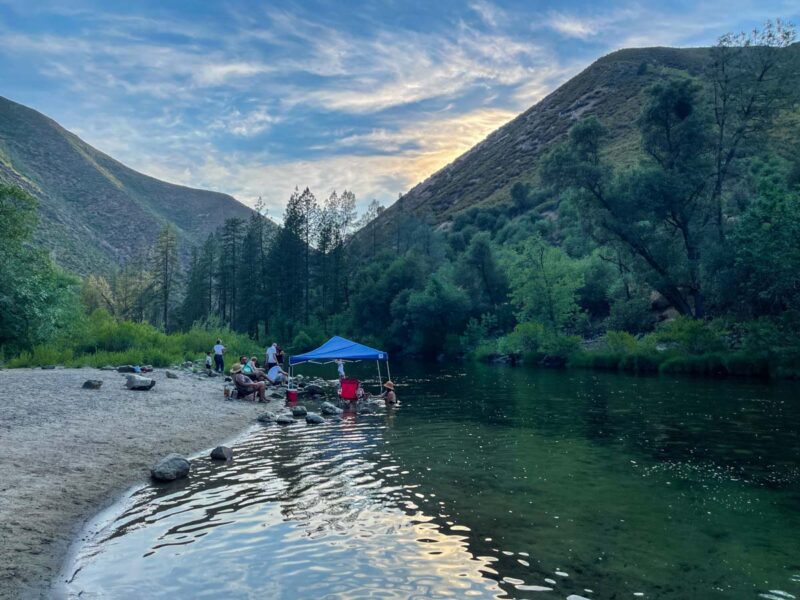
[[250, 378]]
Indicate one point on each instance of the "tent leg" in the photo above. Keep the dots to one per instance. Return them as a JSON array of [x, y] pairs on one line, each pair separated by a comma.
[[380, 381], [388, 372]]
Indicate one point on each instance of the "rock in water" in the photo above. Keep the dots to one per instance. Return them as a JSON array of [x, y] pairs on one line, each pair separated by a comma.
[[222, 453], [330, 409], [299, 411], [137, 382], [171, 375], [267, 417], [314, 419], [126, 369], [314, 390], [284, 420], [170, 468], [92, 384]]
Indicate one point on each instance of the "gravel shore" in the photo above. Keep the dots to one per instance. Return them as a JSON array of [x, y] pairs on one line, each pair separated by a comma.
[[66, 453]]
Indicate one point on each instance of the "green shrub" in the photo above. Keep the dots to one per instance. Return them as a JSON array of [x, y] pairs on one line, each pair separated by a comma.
[[692, 336]]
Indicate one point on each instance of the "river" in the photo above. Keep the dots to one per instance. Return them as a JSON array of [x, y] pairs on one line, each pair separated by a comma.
[[492, 482]]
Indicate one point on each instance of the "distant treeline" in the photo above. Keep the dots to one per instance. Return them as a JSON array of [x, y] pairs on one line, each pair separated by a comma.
[[685, 259]]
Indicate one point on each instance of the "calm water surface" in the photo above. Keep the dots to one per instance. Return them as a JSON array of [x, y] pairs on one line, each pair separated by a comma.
[[487, 482]]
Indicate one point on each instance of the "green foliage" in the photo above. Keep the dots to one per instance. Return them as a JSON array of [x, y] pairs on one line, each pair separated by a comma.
[[534, 341], [691, 336], [544, 285], [302, 342]]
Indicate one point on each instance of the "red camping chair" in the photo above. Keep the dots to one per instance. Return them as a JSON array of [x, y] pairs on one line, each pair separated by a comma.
[[348, 389]]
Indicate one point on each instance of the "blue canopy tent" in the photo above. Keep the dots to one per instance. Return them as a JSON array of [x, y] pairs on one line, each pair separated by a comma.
[[339, 348]]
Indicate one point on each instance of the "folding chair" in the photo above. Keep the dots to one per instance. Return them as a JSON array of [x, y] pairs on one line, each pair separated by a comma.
[[348, 389]]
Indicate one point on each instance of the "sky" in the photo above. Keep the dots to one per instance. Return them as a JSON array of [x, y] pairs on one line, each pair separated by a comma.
[[256, 98]]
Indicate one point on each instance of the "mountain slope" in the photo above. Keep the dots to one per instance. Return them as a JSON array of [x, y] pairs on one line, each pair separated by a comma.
[[611, 89], [95, 212]]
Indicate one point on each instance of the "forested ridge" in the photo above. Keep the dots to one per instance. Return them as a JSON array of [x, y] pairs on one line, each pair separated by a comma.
[[678, 252]]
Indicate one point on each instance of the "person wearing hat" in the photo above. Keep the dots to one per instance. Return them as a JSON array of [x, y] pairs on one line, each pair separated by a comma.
[[388, 395], [245, 385]]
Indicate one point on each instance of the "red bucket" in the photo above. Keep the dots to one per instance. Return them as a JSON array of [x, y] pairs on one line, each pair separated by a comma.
[[291, 395]]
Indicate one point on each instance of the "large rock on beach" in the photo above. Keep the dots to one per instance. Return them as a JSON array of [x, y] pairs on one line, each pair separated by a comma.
[[170, 468], [299, 411], [330, 409], [126, 369], [284, 419], [137, 382], [267, 417], [171, 375], [222, 453], [92, 384], [314, 390], [314, 419]]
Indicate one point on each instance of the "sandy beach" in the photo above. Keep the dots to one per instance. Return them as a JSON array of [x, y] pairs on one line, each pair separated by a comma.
[[66, 453]]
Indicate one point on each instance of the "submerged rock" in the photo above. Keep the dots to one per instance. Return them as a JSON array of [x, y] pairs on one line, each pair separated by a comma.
[[299, 411], [137, 382], [170, 468], [222, 453], [314, 419], [330, 409], [92, 384], [284, 419], [171, 375]]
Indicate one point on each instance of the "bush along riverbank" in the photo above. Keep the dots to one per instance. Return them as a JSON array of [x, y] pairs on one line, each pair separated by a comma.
[[765, 348], [99, 339]]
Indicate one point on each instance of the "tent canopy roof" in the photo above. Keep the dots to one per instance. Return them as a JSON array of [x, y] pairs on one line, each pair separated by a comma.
[[339, 347]]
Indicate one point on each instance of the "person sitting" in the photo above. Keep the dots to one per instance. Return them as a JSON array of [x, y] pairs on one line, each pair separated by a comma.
[[209, 363], [246, 386], [250, 368], [389, 397], [276, 375]]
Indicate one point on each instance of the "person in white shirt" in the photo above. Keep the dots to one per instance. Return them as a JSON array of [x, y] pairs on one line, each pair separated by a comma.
[[272, 355], [276, 375], [340, 366], [219, 362]]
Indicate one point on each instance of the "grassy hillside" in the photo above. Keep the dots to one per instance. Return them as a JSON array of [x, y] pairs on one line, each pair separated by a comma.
[[611, 89], [94, 211]]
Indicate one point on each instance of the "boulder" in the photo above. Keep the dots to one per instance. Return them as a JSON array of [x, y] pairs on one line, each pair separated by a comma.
[[330, 409], [126, 369], [137, 382], [284, 419], [314, 419], [267, 417], [314, 389], [48, 367], [171, 375], [170, 468], [299, 411], [92, 384], [222, 453]]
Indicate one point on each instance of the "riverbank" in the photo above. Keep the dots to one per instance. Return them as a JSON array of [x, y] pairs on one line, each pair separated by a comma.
[[67, 452]]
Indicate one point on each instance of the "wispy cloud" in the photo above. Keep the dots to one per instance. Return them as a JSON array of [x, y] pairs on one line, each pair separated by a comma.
[[254, 100]]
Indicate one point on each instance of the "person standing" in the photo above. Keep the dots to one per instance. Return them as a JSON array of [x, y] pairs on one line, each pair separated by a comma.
[[219, 361], [272, 355], [340, 367]]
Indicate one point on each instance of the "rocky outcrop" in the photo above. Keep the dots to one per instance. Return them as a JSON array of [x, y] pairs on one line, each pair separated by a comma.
[[92, 384]]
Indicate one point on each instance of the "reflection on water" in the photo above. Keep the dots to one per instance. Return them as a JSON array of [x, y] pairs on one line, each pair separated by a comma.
[[487, 482]]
